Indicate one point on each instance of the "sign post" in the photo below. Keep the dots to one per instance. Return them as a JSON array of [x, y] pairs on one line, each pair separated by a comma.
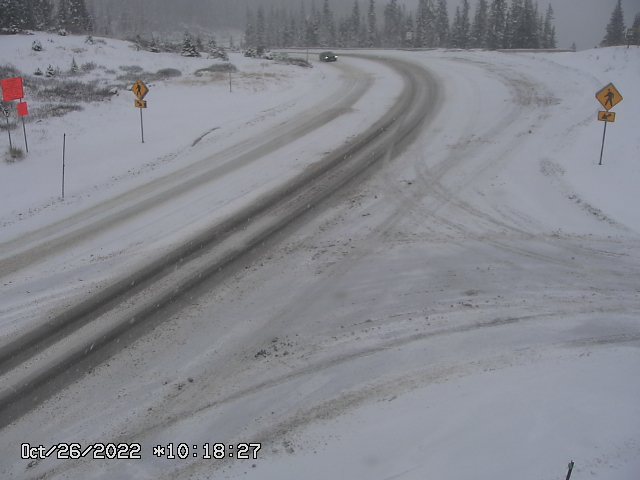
[[5, 112], [608, 97], [571, 465], [64, 151], [140, 90]]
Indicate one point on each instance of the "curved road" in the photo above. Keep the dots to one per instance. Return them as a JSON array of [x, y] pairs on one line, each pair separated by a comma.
[[420, 281], [38, 362]]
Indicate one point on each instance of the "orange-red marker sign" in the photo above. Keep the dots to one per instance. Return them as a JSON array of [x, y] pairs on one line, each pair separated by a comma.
[[23, 109], [12, 89]]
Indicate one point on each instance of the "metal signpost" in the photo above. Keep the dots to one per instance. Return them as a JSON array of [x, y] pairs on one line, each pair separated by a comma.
[[140, 90], [608, 97]]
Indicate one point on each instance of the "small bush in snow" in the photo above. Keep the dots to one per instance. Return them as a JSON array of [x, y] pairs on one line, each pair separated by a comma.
[[36, 46], [62, 32], [298, 62], [76, 91], [15, 154], [250, 53], [168, 73], [55, 110], [131, 69], [38, 73], [88, 67], [51, 72], [89, 40], [9, 71], [217, 68]]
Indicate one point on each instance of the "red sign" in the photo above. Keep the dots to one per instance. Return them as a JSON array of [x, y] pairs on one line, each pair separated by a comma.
[[23, 109], [12, 89]]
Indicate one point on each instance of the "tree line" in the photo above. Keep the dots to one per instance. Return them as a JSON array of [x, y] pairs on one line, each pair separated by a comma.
[[19, 15], [493, 24], [617, 34]]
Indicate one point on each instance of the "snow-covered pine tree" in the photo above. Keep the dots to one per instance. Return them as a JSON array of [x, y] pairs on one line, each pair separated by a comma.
[[188, 47], [615, 29], [479, 31], [442, 24], [496, 34]]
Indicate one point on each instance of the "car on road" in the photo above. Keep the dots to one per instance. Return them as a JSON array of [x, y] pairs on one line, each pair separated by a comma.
[[328, 57]]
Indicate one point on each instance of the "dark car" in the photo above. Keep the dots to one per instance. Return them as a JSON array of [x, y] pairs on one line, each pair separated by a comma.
[[328, 57]]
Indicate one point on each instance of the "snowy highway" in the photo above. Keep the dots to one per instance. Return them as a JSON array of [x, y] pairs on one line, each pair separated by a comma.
[[415, 276]]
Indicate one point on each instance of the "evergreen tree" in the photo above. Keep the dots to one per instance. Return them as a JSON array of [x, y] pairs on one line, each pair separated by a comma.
[[260, 28], [460, 29], [549, 30], [392, 24], [73, 16], [42, 14], [250, 40], [189, 48], [528, 27], [615, 29], [425, 25], [327, 31], [442, 24], [372, 25], [635, 30], [514, 16], [496, 34], [352, 27], [479, 32], [16, 15]]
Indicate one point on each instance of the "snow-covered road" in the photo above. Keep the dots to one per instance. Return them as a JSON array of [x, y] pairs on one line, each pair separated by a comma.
[[468, 309]]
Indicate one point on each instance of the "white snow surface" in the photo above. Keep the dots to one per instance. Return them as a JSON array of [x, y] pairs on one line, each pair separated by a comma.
[[471, 311]]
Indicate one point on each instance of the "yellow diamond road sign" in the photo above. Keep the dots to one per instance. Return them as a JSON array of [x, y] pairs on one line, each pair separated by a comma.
[[609, 96], [607, 116], [140, 90]]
